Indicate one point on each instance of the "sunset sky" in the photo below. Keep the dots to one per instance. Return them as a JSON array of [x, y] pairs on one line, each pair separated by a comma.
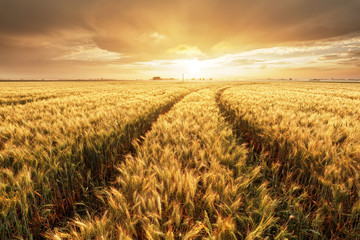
[[139, 39]]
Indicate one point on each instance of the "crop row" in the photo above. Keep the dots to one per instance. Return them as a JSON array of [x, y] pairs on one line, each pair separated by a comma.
[[310, 143], [54, 153], [189, 179], [23, 93]]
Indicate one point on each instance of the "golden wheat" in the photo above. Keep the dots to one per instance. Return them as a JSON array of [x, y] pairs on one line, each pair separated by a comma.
[[241, 160], [310, 135], [54, 151], [189, 179]]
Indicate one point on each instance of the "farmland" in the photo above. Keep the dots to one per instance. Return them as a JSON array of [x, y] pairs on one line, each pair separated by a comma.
[[141, 160]]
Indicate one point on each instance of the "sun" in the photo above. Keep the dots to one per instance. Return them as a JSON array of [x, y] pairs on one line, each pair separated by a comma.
[[194, 67], [190, 68]]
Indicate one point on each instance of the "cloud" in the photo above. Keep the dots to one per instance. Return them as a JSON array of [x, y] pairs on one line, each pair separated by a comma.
[[355, 53], [334, 57], [52, 32], [90, 54], [219, 27], [153, 37], [349, 58], [116, 24], [185, 50], [24, 17]]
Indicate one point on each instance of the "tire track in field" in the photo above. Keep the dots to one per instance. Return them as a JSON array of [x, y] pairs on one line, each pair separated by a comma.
[[26, 99], [132, 133], [23, 101], [274, 152], [279, 169], [196, 164], [145, 124], [251, 135], [255, 160], [239, 128]]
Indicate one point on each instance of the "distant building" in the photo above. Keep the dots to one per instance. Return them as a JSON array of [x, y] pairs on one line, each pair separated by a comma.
[[160, 78]]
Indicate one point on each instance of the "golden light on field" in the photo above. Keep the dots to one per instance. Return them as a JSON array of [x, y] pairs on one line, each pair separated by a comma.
[[127, 39], [209, 155], [205, 147]]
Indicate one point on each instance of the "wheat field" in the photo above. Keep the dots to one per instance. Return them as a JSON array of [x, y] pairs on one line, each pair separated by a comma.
[[161, 160]]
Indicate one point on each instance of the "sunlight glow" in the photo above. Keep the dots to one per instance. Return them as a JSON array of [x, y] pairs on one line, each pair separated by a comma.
[[194, 68]]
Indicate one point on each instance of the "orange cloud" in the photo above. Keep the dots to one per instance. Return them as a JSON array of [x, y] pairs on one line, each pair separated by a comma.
[[48, 36]]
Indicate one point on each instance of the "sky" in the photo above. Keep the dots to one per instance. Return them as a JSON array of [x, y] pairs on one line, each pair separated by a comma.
[[219, 39]]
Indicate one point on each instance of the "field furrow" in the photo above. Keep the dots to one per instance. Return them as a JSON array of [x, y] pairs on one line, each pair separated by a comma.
[[310, 158], [23, 100], [171, 160], [188, 179], [49, 169], [24, 93]]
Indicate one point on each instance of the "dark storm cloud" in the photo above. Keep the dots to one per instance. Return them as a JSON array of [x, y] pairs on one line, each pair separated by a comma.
[[41, 16]]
